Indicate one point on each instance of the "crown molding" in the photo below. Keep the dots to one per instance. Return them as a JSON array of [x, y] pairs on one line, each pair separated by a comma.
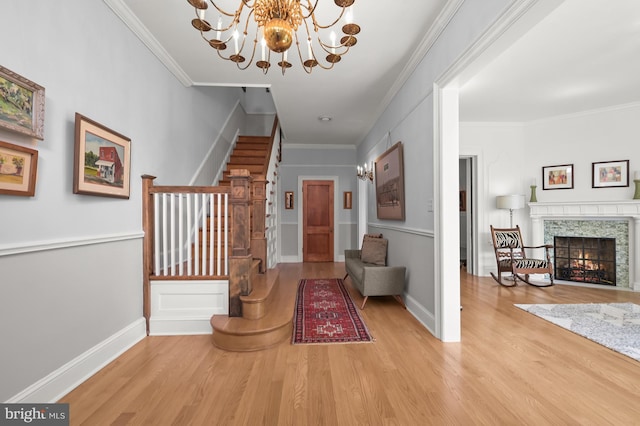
[[440, 23], [137, 27]]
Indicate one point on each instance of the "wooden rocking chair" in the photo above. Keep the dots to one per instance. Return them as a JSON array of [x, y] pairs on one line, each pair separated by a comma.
[[511, 257]]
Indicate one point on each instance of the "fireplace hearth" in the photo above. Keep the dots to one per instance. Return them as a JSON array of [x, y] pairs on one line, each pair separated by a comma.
[[585, 259]]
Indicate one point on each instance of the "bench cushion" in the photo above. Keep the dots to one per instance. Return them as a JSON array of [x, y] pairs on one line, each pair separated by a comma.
[[374, 250]]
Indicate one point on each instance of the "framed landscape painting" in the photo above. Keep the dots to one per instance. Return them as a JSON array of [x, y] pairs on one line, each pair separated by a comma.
[[610, 174], [18, 168], [102, 160], [390, 184], [21, 104]]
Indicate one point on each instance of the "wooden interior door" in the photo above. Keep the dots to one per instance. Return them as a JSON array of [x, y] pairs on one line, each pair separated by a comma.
[[317, 228]]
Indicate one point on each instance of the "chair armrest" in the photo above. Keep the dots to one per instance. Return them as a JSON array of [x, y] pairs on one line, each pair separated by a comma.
[[352, 254], [383, 280]]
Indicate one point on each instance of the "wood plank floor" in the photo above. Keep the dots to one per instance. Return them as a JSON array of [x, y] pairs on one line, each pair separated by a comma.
[[511, 368]]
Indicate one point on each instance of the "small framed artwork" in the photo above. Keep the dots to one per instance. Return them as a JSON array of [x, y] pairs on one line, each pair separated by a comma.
[[610, 174], [347, 202], [18, 168], [288, 200], [557, 177], [463, 200], [102, 160], [21, 104]]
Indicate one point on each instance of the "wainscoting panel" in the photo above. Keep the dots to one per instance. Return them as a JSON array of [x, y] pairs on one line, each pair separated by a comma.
[[186, 307]]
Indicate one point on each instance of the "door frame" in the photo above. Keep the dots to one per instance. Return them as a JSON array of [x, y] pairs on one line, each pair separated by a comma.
[[336, 212]]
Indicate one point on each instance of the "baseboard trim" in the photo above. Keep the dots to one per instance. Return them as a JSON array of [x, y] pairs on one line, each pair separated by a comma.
[[425, 317], [60, 382]]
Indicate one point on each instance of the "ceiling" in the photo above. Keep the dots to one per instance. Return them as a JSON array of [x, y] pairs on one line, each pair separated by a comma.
[[354, 93], [584, 55]]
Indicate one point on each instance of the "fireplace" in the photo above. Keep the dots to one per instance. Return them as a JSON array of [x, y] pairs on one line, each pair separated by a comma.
[[585, 259], [603, 219]]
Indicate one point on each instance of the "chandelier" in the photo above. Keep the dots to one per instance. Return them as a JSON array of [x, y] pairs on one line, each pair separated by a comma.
[[274, 25]]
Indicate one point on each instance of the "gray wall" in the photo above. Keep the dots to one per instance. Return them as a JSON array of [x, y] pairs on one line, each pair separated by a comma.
[[410, 118], [317, 161], [62, 288]]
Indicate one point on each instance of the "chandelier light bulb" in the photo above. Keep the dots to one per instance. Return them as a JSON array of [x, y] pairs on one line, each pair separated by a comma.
[[219, 28], [348, 17], [333, 42]]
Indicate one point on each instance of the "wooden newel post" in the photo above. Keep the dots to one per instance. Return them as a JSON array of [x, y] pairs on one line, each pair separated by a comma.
[[240, 259], [147, 246], [258, 229]]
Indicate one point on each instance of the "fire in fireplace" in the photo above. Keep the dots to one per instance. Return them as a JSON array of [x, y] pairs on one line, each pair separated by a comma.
[[584, 259]]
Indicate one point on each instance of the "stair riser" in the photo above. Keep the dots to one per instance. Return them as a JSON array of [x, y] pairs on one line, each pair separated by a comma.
[[250, 152], [253, 168], [252, 145], [246, 160], [248, 343]]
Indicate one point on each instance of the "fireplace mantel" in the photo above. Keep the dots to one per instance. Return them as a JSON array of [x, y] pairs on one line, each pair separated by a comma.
[[583, 209], [596, 210]]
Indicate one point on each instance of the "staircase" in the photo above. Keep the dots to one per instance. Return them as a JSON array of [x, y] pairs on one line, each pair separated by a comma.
[[250, 153], [267, 311], [226, 270]]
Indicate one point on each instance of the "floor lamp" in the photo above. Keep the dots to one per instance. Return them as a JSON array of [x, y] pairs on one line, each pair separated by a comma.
[[511, 203]]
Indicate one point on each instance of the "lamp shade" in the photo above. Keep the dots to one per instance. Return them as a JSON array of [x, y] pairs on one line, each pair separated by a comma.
[[510, 202]]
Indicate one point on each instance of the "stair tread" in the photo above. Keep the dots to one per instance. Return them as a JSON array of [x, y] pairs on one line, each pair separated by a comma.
[[263, 284], [279, 313]]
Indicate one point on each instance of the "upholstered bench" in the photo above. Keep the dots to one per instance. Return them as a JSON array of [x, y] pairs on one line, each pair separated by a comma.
[[369, 272]]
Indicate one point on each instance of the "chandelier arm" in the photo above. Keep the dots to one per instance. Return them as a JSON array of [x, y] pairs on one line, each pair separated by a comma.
[[307, 69], [325, 67], [224, 12], [327, 47], [253, 52], [309, 8], [324, 27]]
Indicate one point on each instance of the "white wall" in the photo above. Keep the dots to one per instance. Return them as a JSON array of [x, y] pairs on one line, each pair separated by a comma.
[[511, 155], [70, 265], [499, 152]]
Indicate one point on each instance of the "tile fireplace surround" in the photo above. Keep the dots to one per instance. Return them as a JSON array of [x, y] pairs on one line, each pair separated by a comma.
[[596, 211]]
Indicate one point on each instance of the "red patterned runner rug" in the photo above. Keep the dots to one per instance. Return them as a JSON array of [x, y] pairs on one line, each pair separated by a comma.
[[325, 313]]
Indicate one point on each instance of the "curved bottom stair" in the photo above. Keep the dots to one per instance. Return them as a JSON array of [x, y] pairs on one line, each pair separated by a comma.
[[267, 320]]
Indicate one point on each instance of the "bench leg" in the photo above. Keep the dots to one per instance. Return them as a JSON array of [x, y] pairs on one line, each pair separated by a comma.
[[364, 302], [345, 277]]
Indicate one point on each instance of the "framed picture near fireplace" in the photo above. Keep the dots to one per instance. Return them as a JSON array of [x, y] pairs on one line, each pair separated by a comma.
[[610, 174], [557, 177]]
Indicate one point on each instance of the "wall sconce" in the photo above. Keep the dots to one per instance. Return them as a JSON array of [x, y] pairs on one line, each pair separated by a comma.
[[365, 172], [511, 203]]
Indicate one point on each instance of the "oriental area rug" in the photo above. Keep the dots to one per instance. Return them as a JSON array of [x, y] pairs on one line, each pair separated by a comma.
[[325, 313], [614, 325]]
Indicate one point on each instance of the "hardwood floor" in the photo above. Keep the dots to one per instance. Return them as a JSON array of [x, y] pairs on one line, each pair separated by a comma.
[[511, 368]]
